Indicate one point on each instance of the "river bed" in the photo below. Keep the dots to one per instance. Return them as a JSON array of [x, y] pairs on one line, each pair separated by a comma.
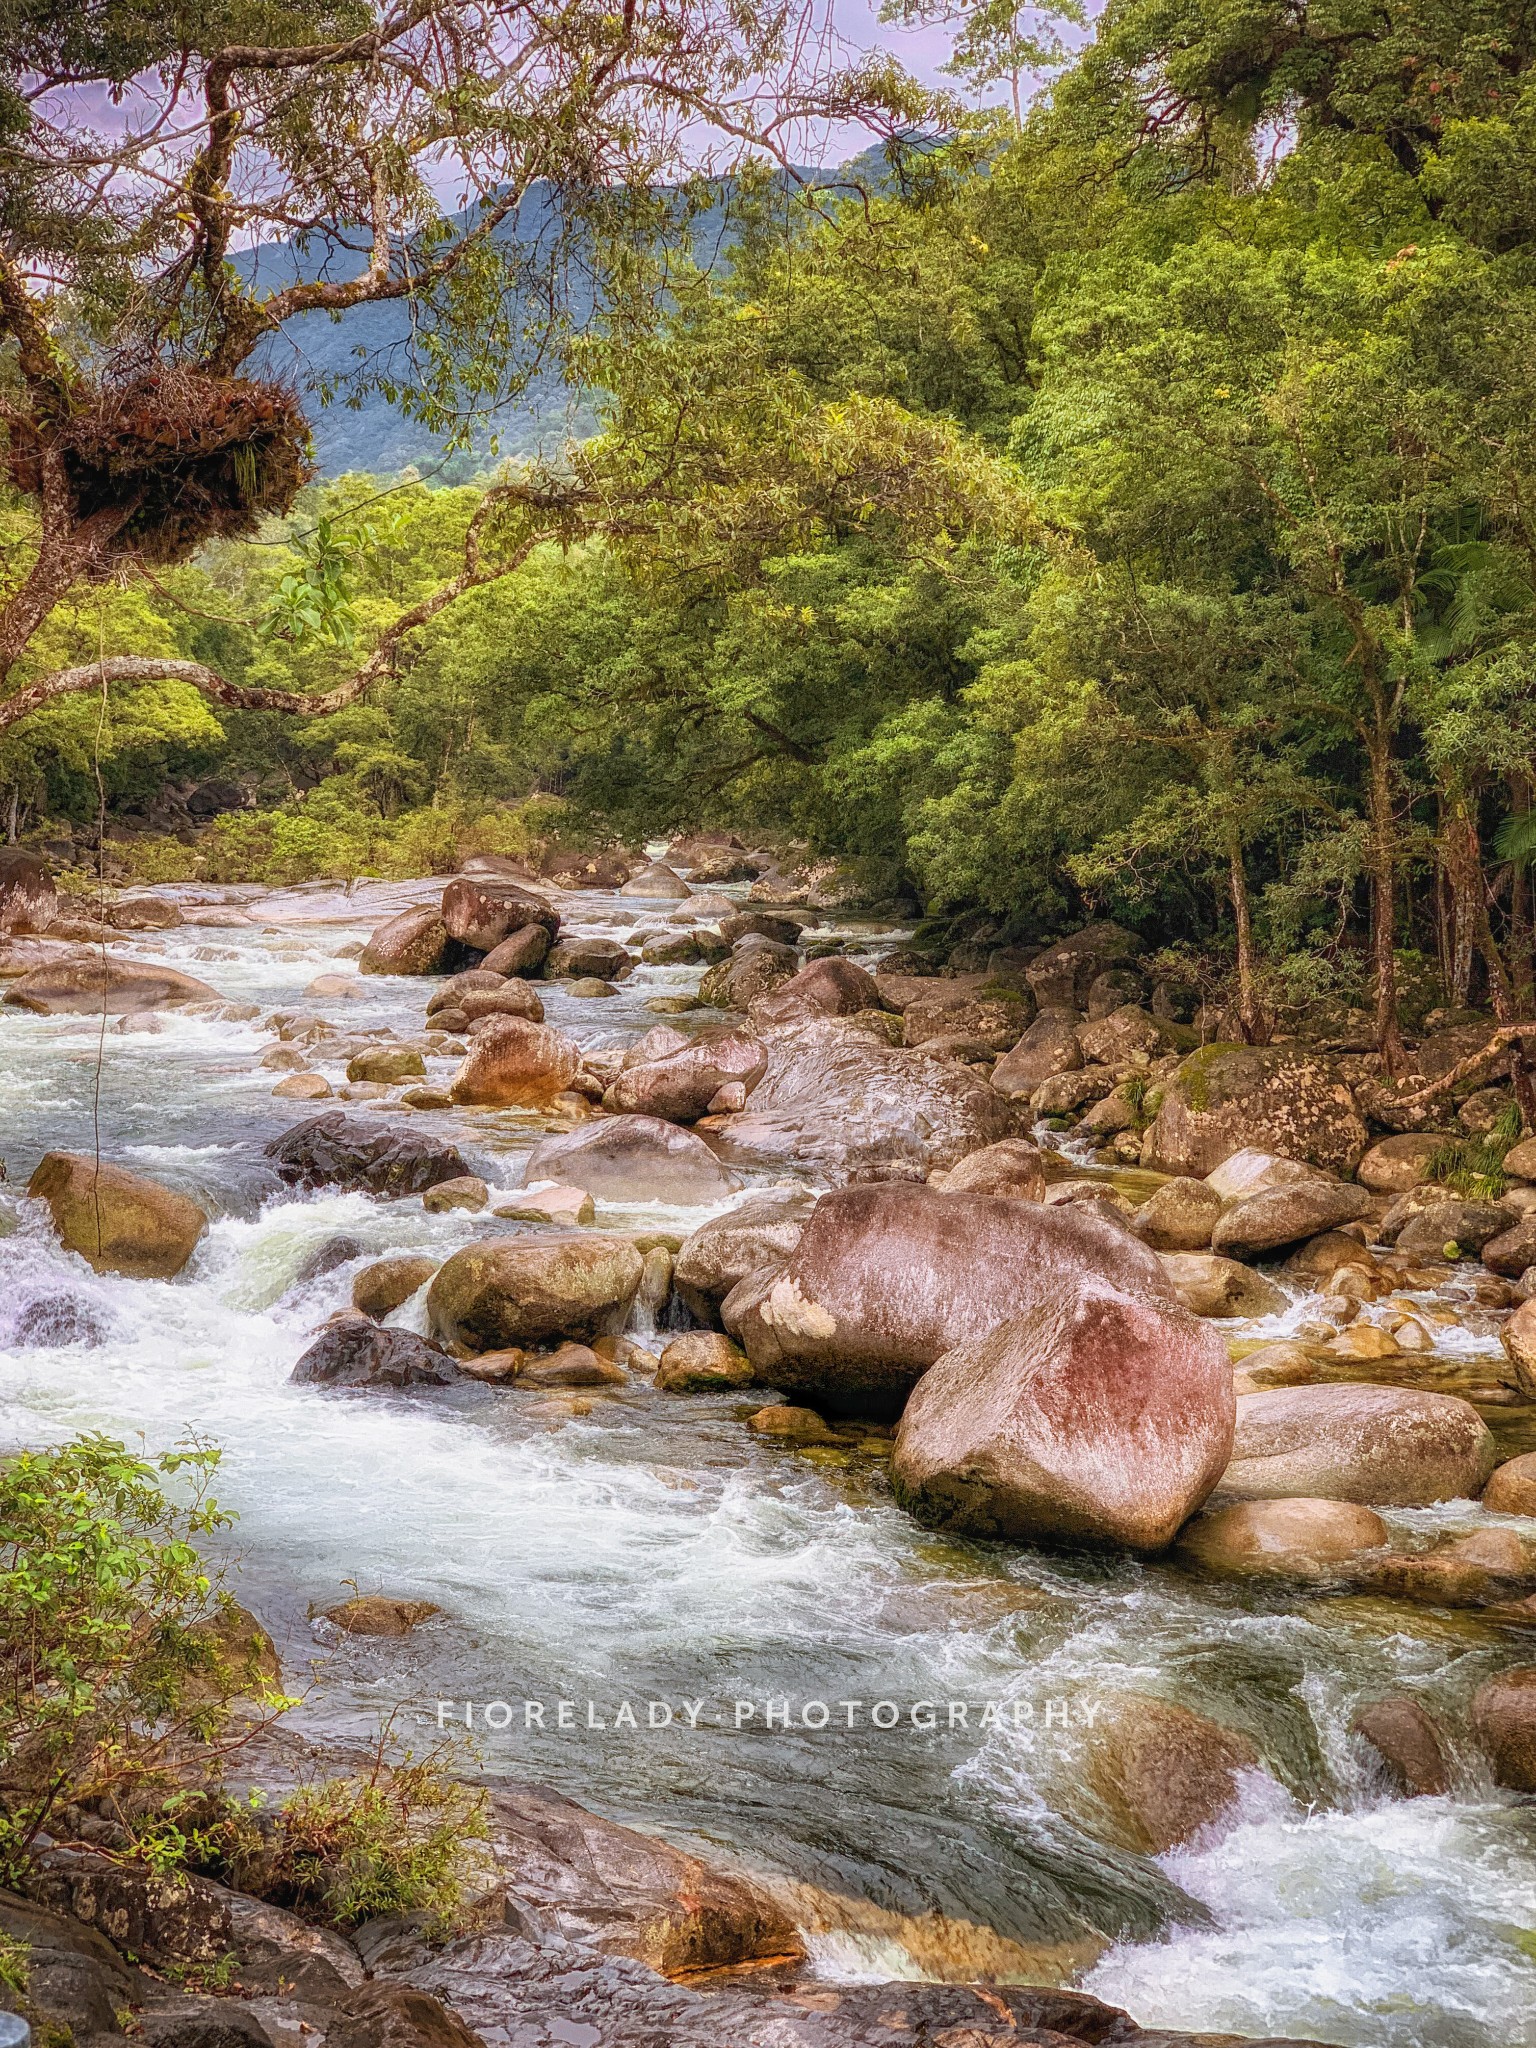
[[654, 1552]]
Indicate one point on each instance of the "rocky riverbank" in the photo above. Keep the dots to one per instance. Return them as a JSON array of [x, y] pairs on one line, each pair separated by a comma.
[[1081, 1285]]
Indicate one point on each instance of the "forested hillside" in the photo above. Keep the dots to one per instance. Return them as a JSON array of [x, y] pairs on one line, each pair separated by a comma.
[[1129, 514]]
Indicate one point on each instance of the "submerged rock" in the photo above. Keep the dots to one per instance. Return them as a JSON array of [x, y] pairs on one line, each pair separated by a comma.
[[633, 1159], [1504, 1717], [1408, 1744], [1164, 1772], [380, 1614], [337, 1150], [1382, 1446], [886, 1279], [1096, 1417], [119, 1222], [506, 1292]]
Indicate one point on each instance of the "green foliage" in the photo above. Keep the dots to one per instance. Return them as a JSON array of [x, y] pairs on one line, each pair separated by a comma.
[[15, 1966], [1474, 1167], [114, 1639]]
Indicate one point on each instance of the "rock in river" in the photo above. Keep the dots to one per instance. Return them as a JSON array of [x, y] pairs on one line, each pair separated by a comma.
[[1284, 1215], [354, 1351], [516, 1064], [502, 1292], [762, 1231], [1095, 1417], [1212, 1286], [483, 914], [833, 1100], [632, 1159], [415, 942], [1164, 1772], [685, 1080], [335, 1150], [1293, 1538], [95, 985], [1381, 1446], [1013, 1167], [886, 1279], [119, 1222]]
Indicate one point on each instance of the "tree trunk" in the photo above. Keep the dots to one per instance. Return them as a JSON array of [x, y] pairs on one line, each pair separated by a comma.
[[1250, 1015], [1520, 950], [1389, 1032], [1462, 863]]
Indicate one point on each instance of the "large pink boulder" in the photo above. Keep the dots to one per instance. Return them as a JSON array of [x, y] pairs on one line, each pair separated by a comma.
[[886, 1279], [483, 914], [823, 988], [1096, 1416], [682, 1083]]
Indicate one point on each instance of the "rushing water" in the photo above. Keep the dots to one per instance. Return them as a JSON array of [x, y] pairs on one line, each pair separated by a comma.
[[654, 1552]]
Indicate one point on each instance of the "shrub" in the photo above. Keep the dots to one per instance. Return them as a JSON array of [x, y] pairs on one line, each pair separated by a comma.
[[116, 1659], [159, 859]]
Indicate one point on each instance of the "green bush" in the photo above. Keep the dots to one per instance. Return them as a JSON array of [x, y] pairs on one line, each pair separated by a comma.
[[119, 1650]]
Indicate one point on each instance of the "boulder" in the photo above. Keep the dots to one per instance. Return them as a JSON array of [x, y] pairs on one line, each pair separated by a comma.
[[833, 987], [1512, 1489], [94, 985], [389, 1283], [832, 1101], [988, 1017], [1513, 1251], [632, 1159], [656, 1044], [1178, 1217], [1467, 1225], [1112, 990], [337, 1250], [1209, 1285], [382, 2015], [1048, 1047], [1013, 1167], [28, 900], [336, 1150], [1164, 1772], [886, 1279], [657, 883], [513, 998], [1298, 1537], [1095, 1417], [415, 942], [762, 1231], [572, 1366], [1520, 1160], [761, 924], [1315, 1262], [799, 1425], [484, 914], [677, 949], [524, 951], [703, 1362], [1113, 1039], [1504, 1718], [549, 1205], [303, 1088], [1255, 1172], [380, 1614], [1381, 1446], [503, 1292], [352, 1350], [1518, 1337], [1227, 1097], [682, 1084], [1408, 1744], [119, 1222], [387, 1063], [468, 1191], [1062, 975], [501, 865], [515, 1064], [1284, 1215], [588, 959], [1283, 1363], [756, 967], [1394, 1165]]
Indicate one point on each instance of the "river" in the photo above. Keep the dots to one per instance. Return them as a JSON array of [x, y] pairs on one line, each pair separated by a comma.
[[654, 1552]]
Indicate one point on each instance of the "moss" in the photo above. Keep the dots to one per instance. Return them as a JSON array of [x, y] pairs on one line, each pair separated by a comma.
[[1195, 1074]]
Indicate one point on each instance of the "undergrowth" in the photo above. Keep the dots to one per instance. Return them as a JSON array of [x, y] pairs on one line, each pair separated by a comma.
[[1474, 1167]]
